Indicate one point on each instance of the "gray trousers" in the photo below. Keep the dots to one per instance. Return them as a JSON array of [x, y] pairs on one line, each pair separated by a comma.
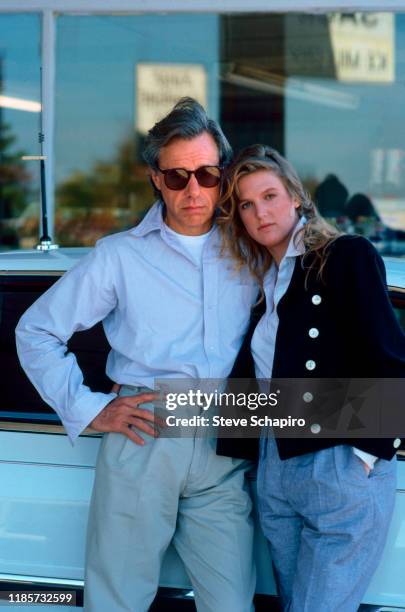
[[169, 490], [326, 522]]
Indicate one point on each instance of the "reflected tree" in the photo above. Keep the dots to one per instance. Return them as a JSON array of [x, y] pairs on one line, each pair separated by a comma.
[[14, 186], [112, 196]]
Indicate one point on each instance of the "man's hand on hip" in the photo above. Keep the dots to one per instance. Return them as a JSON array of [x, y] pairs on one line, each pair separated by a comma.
[[123, 414]]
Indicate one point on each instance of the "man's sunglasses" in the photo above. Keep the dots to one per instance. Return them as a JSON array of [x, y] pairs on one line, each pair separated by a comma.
[[178, 178]]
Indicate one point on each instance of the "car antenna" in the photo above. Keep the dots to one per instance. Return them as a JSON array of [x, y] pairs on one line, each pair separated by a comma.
[[45, 241]]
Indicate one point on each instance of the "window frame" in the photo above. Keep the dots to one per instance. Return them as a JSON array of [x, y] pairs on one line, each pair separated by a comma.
[[51, 9]]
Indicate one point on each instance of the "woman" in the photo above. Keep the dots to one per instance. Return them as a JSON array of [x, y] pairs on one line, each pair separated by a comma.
[[325, 504]]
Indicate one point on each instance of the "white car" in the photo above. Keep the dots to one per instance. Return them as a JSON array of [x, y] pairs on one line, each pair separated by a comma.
[[46, 483]]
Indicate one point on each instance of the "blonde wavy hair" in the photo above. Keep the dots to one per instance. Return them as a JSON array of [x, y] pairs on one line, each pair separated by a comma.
[[317, 234]]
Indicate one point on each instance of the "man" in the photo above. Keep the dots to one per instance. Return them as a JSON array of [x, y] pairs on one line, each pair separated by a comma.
[[171, 307]]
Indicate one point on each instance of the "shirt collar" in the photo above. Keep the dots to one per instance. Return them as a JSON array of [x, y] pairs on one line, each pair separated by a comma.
[[152, 221], [296, 247]]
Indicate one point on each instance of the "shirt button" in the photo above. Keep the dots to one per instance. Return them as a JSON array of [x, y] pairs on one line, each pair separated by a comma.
[[313, 332], [316, 299], [307, 397], [396, 443], [315, 428], [310, 364]]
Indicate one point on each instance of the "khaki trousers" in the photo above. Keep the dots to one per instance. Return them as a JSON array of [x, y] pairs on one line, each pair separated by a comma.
[[169, 490]]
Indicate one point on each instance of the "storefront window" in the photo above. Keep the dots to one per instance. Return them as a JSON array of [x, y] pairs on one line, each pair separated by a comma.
[[19, 127], [329, 92], [326, 90], [115, 77]]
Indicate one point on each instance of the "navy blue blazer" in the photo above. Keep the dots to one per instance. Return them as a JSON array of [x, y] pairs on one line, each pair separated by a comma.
[[358, 337]]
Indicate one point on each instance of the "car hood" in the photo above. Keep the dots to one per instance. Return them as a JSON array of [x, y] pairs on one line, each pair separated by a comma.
[[56, 260], [60, 260]]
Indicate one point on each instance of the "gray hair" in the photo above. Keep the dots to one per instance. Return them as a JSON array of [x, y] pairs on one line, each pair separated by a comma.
[[187, 119]]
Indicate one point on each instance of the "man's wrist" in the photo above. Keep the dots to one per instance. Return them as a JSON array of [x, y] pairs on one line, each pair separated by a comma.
[[94, 403]]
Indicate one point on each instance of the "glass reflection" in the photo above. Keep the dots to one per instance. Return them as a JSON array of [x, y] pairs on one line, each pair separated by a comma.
[[115, 77], [326, 90], [356, 133], [19, 124]]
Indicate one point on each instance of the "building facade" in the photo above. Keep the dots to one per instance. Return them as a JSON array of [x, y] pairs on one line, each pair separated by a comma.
[[323, 82]]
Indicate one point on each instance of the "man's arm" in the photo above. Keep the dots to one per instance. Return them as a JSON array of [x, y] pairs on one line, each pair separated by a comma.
[[83, 296]]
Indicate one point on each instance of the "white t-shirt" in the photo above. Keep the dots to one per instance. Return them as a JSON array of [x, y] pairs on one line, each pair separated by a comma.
[[194, 245]]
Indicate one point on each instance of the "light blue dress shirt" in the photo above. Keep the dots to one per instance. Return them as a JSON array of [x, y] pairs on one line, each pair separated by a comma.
[[165, 315], [263, 343]]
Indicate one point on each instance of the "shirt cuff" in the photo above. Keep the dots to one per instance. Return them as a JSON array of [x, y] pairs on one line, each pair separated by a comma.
[[80, 418], [366, 457]]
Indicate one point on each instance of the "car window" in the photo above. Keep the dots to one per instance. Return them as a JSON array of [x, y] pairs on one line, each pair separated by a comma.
[[19, 399], [398, 302], [400, 312]]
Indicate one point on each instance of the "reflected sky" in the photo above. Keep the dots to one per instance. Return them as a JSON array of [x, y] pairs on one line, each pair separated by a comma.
[[96, 101], [96, 59], [20, 68]]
